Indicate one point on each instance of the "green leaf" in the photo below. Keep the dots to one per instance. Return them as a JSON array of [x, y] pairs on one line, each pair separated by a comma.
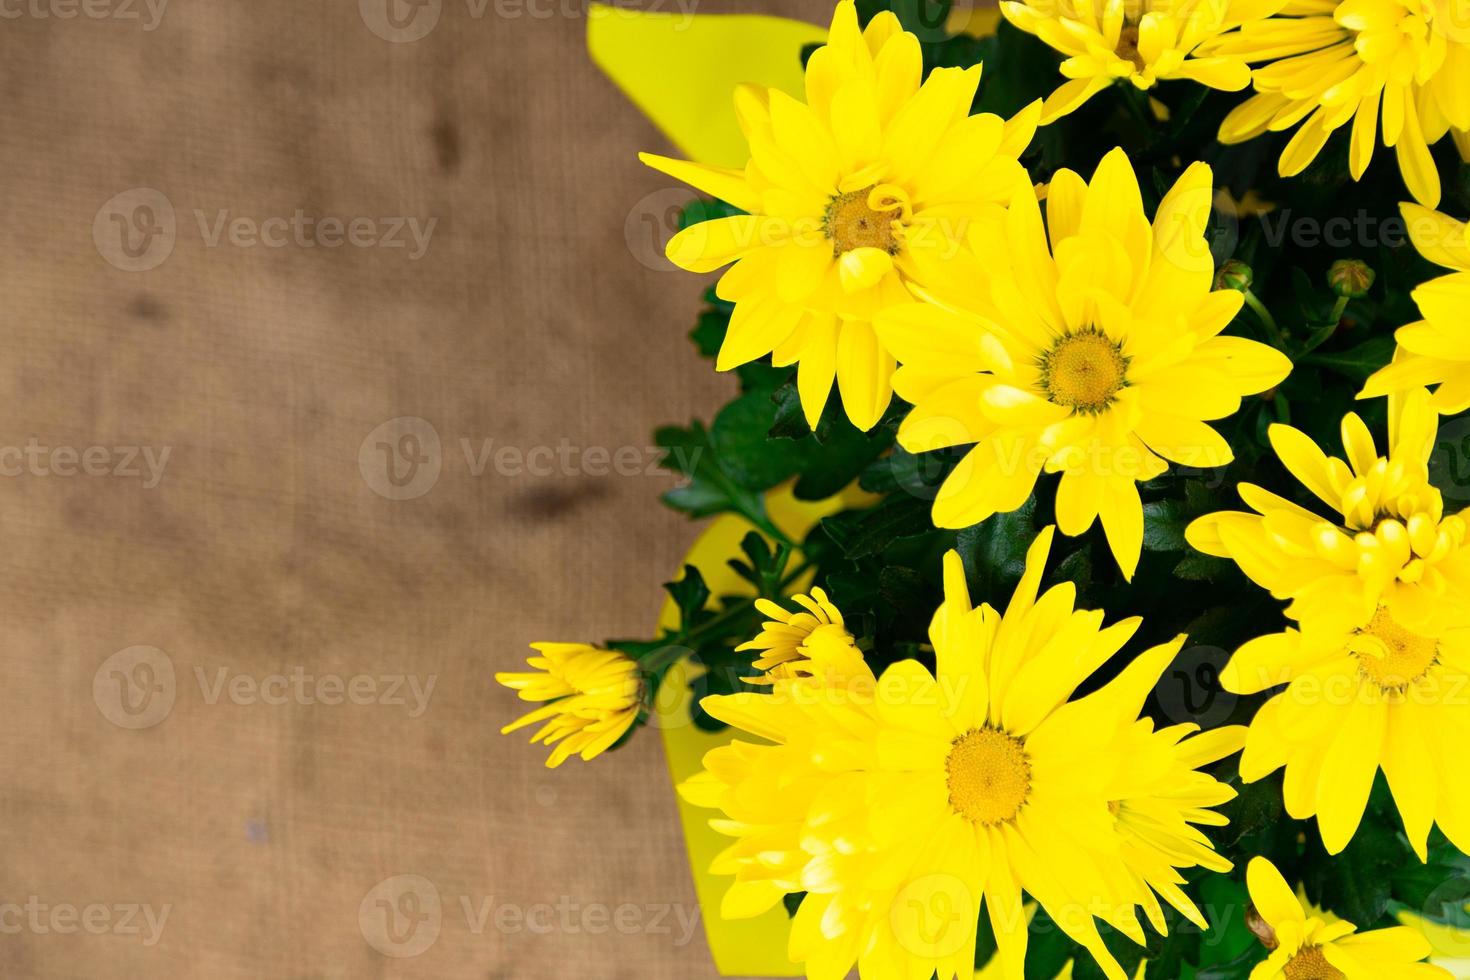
[[705, 209], [1257, 807], [1196, 567], [1358, 362], [833, 456], [994, 552], [906, 590], [710, 490], [745, 451], [1048, 948], [832, 465], [1163, 526], [790, 420], [1237, 968], [758, 376], [709, 333], [1076, 568], [1224, 901], [868, 532], [1439, 890], [763, 568], [1358, 883], [689, 593], [918, 475]]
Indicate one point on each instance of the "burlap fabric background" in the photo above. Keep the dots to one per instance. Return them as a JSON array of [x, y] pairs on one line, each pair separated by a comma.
[[262, 561]]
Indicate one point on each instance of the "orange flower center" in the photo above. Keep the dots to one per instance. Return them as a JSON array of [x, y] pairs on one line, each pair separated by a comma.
[[864, 219], [1311, 964], [1399, 658], [989, 776], [1083, 371]]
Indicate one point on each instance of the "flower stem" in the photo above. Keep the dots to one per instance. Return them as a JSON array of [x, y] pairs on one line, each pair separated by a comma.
[[1254, 302]]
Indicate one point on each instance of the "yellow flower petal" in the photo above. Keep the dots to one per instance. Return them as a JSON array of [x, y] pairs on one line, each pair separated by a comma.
[[863, 268], [864, 373], [1122, 519], [1273, 898], [1438, 237], [706, 246]]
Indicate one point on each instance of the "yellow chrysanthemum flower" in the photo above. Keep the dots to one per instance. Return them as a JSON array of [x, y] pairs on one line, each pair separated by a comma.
[[1313, 947], [904, 805], [1098, 356], [1156, 817], [1407, 61], [862, 189], [1389, 542], [595, 696], [1436, 350], [810, 643], [1142, 42], [1357, 700]]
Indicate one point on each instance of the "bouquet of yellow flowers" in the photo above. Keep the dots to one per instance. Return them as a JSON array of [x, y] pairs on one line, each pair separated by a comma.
[[1101, 604]]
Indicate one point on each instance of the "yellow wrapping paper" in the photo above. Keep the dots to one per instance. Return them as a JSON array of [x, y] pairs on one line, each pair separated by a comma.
[[743, 947], [682, 70]]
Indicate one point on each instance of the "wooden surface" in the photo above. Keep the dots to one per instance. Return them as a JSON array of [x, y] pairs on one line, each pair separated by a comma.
[[264, 550]]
